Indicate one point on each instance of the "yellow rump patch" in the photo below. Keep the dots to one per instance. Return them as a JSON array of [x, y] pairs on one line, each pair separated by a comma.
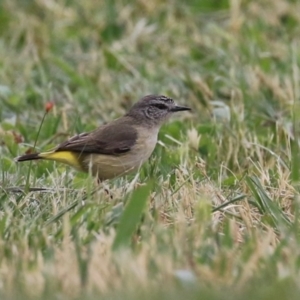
[[67, 157]]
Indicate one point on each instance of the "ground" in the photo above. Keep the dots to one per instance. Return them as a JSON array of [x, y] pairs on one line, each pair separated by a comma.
[[214, 212]]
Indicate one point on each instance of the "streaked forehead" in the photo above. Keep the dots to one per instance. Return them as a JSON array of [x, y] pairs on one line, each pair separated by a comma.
[[156, 99], [165, 99]]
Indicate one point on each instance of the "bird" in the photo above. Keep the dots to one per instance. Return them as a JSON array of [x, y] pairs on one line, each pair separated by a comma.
[[118, 147]]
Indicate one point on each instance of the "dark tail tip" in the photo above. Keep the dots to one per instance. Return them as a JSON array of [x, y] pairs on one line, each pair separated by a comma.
[[27, 157]]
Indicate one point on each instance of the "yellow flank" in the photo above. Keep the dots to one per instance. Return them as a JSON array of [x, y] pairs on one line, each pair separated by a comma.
[[67, 157]]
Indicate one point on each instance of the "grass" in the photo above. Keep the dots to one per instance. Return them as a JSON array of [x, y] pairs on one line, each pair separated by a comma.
[[215, 212]]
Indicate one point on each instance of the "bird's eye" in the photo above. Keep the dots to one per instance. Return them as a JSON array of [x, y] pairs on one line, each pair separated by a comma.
[[161, 106]]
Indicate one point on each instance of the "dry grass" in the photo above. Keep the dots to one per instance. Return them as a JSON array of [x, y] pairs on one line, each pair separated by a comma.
[[222, 213]]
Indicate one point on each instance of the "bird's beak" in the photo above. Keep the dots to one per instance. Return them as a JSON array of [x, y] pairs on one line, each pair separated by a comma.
[[179, 108]]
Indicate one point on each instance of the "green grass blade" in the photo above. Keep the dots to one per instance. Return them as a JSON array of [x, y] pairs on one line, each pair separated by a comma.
[[267, 205], [235, 199], [295, 163], [131, 216]]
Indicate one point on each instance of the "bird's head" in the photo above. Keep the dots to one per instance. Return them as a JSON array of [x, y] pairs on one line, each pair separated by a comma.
[[155, 109]]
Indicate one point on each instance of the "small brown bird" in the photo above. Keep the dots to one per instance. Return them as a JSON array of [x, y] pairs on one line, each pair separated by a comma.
[[118, 147]]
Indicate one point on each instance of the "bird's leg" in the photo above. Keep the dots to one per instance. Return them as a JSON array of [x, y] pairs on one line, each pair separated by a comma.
[[106, 190]]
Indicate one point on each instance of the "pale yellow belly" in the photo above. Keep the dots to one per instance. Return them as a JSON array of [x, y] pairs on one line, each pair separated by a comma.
[[110, 166]]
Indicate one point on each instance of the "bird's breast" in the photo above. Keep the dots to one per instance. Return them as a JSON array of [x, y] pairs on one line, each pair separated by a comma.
[[142, 149], [110, 166]]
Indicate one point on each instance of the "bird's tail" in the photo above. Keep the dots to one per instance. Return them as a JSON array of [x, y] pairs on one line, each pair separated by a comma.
[[67, 157], [30, 156]]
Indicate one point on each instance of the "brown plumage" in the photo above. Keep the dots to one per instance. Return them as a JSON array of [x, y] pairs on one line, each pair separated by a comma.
[[118, 147]]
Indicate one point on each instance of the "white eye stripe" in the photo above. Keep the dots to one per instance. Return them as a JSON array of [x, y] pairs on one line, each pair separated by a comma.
[[166, 99]]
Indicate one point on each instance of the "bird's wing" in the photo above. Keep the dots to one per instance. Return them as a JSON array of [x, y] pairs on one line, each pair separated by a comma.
[[105, 140]]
